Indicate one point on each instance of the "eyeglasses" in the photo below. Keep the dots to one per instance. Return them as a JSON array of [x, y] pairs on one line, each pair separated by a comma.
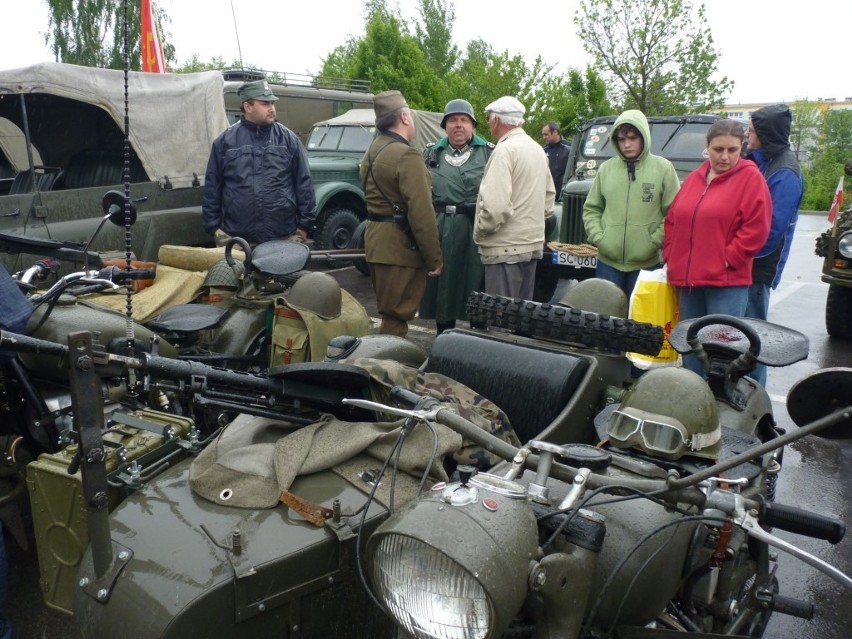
[[634, 427]]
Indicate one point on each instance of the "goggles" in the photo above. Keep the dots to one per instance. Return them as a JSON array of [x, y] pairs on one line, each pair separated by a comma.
[[656, 434]]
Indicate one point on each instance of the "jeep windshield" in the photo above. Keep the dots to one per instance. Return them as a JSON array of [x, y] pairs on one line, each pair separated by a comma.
[[675, 140], [341, 138]]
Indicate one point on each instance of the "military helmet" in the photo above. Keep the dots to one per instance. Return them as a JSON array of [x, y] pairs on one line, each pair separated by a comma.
[[223, 275], [458, 106], [318, 293], [669, 412], [597, 296]]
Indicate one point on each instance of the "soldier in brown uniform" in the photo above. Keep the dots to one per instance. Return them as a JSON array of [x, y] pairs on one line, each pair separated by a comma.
[[401, 241]]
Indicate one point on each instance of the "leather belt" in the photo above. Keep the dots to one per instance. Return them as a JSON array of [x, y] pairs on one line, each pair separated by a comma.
[[453, 209], [379, 218]]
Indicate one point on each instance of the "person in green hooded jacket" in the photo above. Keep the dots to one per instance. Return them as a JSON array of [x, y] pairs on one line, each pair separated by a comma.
[[456, 162], [627, 203]]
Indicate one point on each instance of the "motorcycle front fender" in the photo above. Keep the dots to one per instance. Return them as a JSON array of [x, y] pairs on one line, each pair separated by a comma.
[[183, 579]]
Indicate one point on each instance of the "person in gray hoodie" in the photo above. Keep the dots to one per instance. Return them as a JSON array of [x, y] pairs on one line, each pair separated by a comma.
[[627, 203]]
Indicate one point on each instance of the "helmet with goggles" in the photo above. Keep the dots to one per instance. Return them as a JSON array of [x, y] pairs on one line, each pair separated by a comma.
[[670, 412]]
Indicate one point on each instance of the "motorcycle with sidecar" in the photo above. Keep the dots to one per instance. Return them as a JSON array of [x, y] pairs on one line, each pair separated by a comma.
[[347, 544]]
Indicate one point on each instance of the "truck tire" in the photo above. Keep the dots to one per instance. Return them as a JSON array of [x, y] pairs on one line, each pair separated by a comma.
[[337, 229], [838, 312], [565, 324], [357, 242]]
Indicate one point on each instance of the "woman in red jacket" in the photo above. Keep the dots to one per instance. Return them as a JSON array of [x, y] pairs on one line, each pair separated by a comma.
[[717, 223]]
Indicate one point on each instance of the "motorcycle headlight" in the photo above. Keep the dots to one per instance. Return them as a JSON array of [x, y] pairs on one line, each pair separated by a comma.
[[455, 570], [844, 245]]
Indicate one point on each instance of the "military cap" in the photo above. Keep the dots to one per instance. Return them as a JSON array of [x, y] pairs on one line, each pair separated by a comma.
[[257, 90], [388, 102]]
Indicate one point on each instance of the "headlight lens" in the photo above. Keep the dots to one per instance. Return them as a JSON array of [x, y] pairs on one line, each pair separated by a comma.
[[429, 594], [844, 245], [455, 564]]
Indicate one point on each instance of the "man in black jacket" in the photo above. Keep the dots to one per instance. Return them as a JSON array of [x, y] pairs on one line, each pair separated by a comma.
[[258, 182], [557, 150]]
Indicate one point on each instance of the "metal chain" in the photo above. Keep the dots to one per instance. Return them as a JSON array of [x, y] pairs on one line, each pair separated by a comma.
[[128, 246]]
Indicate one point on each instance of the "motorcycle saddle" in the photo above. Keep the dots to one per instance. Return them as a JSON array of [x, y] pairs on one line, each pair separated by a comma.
[[280, 257], [188, 318]]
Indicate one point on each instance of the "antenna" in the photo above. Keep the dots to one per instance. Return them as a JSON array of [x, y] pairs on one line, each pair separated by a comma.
[[237, 32]]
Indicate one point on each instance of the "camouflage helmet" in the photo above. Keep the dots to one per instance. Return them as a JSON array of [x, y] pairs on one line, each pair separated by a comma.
[[679, 400], [318, 293], [223, 275], [455, 107], [597, 296]]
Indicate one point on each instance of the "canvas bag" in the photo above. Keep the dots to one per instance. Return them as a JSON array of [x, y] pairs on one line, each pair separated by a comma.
[[654, 300]]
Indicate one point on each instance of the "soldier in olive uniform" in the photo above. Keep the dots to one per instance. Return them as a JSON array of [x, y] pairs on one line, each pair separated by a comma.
[[401, 242], [456, 163]]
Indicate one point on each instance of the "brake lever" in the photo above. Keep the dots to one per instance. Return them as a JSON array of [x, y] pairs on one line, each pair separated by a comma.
[[426, 415]]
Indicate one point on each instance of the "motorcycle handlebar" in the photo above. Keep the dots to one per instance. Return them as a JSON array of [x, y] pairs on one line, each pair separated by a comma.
[[119, 275], [802, 522]]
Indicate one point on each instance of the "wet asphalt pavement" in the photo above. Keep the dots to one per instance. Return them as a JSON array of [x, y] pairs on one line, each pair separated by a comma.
[[817, 473]]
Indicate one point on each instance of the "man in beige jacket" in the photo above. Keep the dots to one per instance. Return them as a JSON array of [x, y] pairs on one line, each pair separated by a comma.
[[515, 197]]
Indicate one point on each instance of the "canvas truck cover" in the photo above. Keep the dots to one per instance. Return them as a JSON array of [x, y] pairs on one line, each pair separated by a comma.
[[427, 124], [174, 118]]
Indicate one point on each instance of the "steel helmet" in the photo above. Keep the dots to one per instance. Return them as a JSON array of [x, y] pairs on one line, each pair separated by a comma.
[[669, 412], [223, 275], [318, 293], [458, 106], [597, 296]]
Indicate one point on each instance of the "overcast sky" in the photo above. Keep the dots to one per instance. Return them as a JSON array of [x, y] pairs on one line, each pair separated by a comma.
[[772, 51]]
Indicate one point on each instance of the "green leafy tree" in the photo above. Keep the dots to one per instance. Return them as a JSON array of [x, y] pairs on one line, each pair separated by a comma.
[[805, 129], [827, 159], [434, 32], [653, 54], [91, 33], [436, 70]]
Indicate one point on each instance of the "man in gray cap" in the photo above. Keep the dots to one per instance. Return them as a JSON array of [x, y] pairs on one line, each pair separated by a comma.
[[401, 241], [515, 197], [258, 182]]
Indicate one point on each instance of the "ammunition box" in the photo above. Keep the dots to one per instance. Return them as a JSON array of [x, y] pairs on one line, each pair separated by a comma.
[[137, 446]]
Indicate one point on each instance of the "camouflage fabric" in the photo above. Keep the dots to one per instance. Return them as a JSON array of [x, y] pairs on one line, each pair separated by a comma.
[[474, 407]]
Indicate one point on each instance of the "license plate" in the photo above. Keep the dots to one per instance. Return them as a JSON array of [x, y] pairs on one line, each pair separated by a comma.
[[577, 261]]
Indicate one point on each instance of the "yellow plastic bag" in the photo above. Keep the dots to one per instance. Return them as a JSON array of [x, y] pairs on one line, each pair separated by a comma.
[[654, 300]]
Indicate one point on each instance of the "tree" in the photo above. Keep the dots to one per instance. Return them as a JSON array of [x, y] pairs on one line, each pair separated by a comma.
[[434, 33], [805, 128], [91, 32], [435, 70], [653, 54]]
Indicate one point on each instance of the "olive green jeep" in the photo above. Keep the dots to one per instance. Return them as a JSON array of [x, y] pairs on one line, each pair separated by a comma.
[[335, 148], [835, 247]]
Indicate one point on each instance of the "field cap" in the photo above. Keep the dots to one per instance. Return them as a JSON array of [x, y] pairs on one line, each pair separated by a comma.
[[257, 90], [507, 105], [388, 102]]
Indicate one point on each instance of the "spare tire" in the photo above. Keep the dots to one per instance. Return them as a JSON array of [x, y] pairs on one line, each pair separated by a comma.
[[565, 324]]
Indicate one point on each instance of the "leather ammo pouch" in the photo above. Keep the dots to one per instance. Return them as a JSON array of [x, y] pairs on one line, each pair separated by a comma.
[[291, 342]]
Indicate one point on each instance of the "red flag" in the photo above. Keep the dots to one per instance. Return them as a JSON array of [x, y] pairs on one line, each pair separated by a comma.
[[152, 49], [836, 202]]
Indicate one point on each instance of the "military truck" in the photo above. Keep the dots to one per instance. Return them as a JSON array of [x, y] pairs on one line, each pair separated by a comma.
[[682, 139], [62, 131], [302, 99], [62, 149], [335, 148]]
